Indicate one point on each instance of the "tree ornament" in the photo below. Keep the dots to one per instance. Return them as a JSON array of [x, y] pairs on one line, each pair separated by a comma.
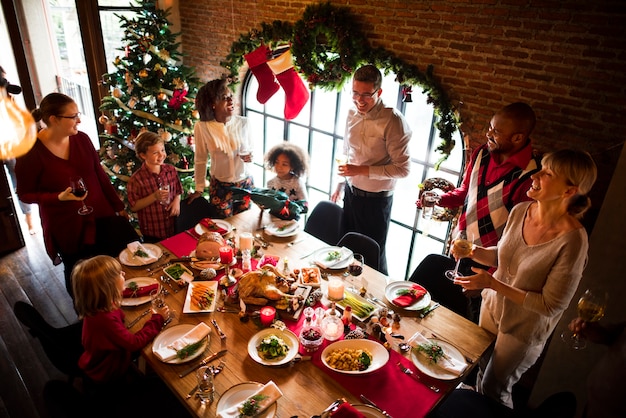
[[127, 51], [165, 135], [117, 93], [103, 119], [195, 114], [143, 73], [178, 122], [117, 61], [178, 98], [178, 83], [162, 96], [132, 102]]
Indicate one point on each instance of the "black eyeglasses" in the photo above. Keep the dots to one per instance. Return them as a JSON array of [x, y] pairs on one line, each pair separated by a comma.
[[75, 117], [356, 95]]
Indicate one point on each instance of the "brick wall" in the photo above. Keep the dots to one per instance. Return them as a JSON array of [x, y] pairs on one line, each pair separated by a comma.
[[566, 58]]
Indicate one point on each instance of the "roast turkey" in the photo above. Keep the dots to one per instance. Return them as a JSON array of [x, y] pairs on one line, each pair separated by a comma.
[[260, 286]]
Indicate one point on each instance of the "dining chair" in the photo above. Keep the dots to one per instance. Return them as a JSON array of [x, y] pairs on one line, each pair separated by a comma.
[[430, 273], [192, 213], [63, 346], [364, 245], [326, 222]]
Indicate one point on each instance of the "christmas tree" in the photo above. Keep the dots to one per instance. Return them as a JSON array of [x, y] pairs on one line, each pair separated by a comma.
[[148, 91]]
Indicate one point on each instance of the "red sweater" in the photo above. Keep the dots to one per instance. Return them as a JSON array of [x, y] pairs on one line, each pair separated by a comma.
[[109, 345]]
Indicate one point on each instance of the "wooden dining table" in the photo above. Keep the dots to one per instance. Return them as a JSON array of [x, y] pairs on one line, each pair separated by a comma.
[[308, 387]]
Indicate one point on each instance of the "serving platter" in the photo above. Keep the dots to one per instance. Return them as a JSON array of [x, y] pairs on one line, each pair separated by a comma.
[[380, 355]]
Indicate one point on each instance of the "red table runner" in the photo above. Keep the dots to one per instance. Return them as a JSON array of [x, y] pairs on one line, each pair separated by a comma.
[[181, 245]]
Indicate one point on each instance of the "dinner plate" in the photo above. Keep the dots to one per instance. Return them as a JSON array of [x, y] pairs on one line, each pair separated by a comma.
[[283, 228], [321, 255], [391, 292], [127, 258], [141, 281], [172, 334], [200, 229], [369, 411], [204, 264], [380, 355], [189, 308], [431, 369], [239, 393], [287, 336]]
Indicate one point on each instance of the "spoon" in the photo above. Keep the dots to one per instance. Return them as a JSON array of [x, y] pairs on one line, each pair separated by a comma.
[[260, 239]]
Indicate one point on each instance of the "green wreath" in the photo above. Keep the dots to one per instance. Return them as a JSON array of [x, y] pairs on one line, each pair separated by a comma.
[[326, 47]]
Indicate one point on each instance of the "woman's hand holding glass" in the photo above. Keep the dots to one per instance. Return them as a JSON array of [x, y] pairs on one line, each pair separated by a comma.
[[462, 247], [591, 307]]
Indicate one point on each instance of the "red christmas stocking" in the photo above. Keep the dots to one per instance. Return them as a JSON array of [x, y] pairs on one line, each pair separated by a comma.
[[257, 61], [296, 92]]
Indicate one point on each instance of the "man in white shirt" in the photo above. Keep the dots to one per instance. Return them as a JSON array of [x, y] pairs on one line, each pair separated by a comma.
[[376, 143]]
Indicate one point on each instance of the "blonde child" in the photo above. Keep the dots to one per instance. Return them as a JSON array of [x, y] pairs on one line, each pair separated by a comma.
[[156, 208], [98, 284], [291, 164]]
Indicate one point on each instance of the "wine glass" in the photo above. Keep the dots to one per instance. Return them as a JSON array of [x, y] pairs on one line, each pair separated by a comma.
[[591, 307], [157, 299], [79, 189], [462, 245], [355, 268]]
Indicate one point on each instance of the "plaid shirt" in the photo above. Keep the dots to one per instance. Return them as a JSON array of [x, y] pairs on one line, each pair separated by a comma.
[[154, 219]]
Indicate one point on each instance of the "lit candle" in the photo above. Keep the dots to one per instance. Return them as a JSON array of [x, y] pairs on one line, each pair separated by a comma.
[[226, 255], [245, 241], [267, 314], [335, 289]]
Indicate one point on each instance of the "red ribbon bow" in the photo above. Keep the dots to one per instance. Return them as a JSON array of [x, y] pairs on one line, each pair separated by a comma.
[[178, 99]]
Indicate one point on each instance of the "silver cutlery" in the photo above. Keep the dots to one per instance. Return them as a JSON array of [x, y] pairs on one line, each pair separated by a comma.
[[291, 244], [429, 310], [417, 377], [226, 310], [308, 255], [134, 321], [168, 281], [326, 412], [218, 329], [204, 362], [367, 401]]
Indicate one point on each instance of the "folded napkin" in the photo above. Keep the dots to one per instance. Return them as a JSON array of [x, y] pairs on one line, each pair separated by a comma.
[[415, 293], [345, 410], [329, 264], [209, 224], [140, 252], [447, 363], [140, 291], [168, 352], [283, 228], [264, 397]]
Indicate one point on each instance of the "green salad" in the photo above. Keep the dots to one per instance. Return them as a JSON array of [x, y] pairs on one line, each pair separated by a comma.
[[272, 347]]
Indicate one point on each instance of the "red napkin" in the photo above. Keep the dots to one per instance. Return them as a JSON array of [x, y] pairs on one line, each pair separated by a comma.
[[141, 291], [345, 410], [212, 226], [414, 294]]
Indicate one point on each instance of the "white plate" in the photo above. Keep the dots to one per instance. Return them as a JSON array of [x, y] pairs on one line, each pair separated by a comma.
[[369, 411], [172, 334], [219, 222], [141, 281], [380, 355], [343, 303], [283, 228], [127, 259], [431, 369], [187, 308], [287, 336], [320, 257], [239, 393], [391, 292]]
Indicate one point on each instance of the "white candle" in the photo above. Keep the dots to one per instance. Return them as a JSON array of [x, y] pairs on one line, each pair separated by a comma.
[[245, 241], [335, 289]]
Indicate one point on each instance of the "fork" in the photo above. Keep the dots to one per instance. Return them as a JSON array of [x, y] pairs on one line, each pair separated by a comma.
[[417, 377]]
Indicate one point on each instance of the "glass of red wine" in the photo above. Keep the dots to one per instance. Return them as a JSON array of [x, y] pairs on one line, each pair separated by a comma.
[[79, 189], [355, 268]]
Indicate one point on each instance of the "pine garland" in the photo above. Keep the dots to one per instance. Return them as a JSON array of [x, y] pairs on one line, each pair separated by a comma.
[[328, 45]]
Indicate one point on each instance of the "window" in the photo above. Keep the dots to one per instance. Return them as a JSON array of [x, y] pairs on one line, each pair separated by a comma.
[[319, 129]]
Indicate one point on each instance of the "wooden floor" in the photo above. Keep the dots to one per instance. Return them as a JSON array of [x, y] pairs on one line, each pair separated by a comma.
[[28, 275]]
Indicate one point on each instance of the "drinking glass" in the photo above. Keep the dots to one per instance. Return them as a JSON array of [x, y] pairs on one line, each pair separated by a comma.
[[157, 299], [462, 244], [355, 268], [79, 189], [164, 200], [429, 200], [206, 389], [591, 307], [341, 160]]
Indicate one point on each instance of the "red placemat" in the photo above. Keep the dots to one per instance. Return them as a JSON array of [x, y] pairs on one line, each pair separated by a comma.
[[395, 392], [181, 245]]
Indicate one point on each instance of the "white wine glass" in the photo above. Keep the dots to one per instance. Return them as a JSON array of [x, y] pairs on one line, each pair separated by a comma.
[[591, 307], [157, 299], [462, 246], [79, 189]]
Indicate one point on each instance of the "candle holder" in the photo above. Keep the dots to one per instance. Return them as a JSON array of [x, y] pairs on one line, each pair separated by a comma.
[[267, 315], [335, 289], [332, 326]]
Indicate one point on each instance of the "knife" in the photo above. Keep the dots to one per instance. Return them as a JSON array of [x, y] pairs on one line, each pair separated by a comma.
[[218, 329], [367, 401], [429, 310], [204, 362], [134, 321]]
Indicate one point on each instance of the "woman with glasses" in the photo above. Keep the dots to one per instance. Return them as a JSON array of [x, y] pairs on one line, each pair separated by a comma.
[[224, 137], [60, 153]]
